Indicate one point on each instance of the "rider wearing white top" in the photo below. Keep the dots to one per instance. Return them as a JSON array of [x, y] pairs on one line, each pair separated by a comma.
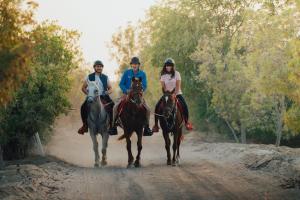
[[170, 82], [105, 89]]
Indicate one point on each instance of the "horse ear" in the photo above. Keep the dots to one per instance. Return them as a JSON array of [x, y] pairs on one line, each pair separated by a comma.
[[173, 91], [140, 79], [132, 79]]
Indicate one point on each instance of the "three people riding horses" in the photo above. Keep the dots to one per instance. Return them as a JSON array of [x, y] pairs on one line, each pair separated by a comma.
[[170, 79]]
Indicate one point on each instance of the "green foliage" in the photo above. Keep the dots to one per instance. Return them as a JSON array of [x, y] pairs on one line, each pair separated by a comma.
[[239, 61], [124, 46], [15, 45], [43, 96]]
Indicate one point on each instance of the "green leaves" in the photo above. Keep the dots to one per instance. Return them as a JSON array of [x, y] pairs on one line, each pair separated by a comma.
[[54, 53], [239, 60]]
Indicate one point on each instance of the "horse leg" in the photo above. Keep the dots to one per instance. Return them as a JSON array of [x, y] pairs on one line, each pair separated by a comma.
[[174, 149], [167, 146], [130, 156], [178, 146], [95, 148], [105, 137], [139, 147]]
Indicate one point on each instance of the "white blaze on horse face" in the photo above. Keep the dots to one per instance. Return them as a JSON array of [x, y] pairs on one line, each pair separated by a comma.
[[93, 90], [166, 98]]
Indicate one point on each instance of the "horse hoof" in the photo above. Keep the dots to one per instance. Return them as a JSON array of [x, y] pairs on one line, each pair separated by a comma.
[[96, 165], [103, 162], [137, 164], [130, 166], [169, 162], [174, 164]]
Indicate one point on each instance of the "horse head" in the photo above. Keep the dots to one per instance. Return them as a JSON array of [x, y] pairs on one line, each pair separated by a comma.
[[169, 101], [93, 91], [136, 92], [169, 108]]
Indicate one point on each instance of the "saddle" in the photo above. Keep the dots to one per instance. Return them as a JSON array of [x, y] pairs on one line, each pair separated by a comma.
[[120, 108]]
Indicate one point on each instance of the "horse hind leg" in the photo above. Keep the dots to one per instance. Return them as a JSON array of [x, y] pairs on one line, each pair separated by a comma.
[[105, 137], [139, 147], [95, 148]]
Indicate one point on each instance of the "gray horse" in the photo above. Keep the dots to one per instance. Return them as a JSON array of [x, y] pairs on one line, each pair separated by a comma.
[[97, 121]]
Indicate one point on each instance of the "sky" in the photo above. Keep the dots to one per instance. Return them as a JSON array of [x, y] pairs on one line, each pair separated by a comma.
[[96, 20]]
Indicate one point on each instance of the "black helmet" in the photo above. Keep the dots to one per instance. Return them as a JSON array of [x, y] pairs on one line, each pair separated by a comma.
[[135, 60], [169, 61], [98, 62]]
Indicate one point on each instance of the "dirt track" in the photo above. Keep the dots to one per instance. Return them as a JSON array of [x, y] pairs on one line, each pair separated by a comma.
[[207, 171]]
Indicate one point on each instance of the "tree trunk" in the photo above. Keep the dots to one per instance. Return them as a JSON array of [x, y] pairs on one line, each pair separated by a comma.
[[233, 132], [279, 120], [243, 134]]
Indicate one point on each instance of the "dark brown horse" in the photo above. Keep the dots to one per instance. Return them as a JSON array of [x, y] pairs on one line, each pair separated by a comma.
[[133, 118], [171, 121]]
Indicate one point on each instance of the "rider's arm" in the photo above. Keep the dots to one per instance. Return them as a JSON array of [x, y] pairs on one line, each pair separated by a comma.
[[84, 88], [178, 86], [109, 88], [123, 83], [178, 82], [163, 86]]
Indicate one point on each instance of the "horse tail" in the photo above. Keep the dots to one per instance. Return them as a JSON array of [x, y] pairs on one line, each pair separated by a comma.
[[122, 137]]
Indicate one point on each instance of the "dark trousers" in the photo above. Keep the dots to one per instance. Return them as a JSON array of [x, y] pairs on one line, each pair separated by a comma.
[[84, 110], [182, 103], [184, 107]]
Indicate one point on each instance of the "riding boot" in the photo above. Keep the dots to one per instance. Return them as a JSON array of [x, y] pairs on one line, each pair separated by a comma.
[[112, 127], [188, 126], [84, 116], [83, 129], [147, 131]]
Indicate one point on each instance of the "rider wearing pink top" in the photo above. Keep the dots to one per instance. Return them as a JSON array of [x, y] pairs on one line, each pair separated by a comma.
[[171, 80]]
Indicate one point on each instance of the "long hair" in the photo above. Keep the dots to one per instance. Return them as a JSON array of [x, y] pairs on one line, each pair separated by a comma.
[[164, 70]]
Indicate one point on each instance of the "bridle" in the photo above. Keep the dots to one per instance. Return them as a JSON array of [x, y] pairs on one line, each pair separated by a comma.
[[170, 120], [97, 97], [136, 91]]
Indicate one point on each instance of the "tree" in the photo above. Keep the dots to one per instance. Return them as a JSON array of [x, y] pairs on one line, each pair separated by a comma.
[[43, 96], [124, 46], [16, 18]]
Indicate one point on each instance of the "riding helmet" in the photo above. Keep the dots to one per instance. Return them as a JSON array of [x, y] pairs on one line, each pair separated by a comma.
[[98, 62], [135, 60], [170, 62]]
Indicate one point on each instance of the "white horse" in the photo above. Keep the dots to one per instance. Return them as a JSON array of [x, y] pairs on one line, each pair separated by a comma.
[[98, 121]]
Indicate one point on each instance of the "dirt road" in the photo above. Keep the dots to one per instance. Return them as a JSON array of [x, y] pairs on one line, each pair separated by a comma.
[[206, 171]]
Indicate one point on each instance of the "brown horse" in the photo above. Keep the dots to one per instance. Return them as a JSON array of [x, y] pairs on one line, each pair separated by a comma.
[[133, 119], [171, 121]]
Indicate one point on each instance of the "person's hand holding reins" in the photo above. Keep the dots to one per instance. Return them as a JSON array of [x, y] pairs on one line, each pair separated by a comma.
[[174, 96]]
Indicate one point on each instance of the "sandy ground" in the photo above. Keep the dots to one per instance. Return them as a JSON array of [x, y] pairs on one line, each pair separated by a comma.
[[207, 170]]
